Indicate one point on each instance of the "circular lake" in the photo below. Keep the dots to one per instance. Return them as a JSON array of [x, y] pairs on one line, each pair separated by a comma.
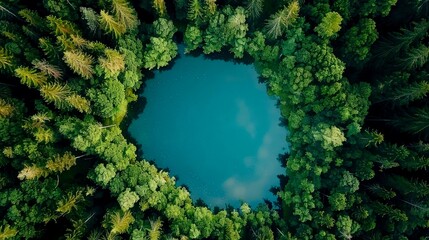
[[214, 126]]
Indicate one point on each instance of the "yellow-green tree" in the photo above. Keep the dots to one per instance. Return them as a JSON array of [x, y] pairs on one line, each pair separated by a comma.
[[80, 63]]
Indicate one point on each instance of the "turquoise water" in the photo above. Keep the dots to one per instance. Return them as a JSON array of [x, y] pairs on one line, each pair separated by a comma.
[[213, 125]]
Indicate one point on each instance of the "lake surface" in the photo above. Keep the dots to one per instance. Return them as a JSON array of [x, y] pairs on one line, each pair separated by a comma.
[[214, 126]]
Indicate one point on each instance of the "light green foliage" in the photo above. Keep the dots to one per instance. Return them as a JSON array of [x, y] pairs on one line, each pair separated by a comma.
[[107, 99], [163, 28], [127, 199], [61, 163], [80, 63], [330, 137], [282, 19], [337, 201], [192, 38], [215, 37], [103, 174], [111, 25], [5, 59], [237, 30], [125, 14], [160, 7], [55, 93], [120, 222], [330, 25], [113, 62], [30, 77], [159, 53], [7, 232]]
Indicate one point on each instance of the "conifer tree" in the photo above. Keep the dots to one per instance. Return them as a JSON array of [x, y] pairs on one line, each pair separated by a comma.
[[111, 25], [30, 77], [280, 21], [61, 163], [125, 14], [55, 93], [6, 109], [80, 63]]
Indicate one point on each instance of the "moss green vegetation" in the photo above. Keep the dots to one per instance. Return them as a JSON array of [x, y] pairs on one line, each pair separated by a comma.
[[351, 77]]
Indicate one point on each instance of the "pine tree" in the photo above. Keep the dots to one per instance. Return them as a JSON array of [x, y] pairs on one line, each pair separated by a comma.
[[279, 21], [111, 25], [113, 63], [414, 121], [32, 172], [154, 232], [51, 51], [125, 14], [67, 204], [91, 18], [62, 27], [160, 7], [6, 109], [30, 77], [5, 59], [44, 135], [391, 46], [120, 223], [403, 95], [254, 8], [79, 103], [55, 93], [33, 18], [47, 68], [7, 232], [80, 63], [415, 58], [61, 163], [195, 11], [211, 6]]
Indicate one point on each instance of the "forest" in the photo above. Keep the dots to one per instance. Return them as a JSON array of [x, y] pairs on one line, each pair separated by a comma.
[[352, 82]]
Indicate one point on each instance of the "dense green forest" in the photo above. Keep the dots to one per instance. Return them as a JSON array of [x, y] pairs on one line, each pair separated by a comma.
[[352, 81]]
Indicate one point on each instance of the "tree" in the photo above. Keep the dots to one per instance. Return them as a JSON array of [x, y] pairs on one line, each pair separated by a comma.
[[163, 28], [79, 103], [159, 6], [193, 38], [127, 199], [159, 53], [103, 174], [113, 63], [111, 25], [254, 8], [30, 77], [6, 109], [358, 41], [107, 99], [91, 18], [195, 11], [330, 25], [120, 222], [80, 63], [55, 93], [48, 69], [282, 19], [31, 172], [5, 59], [7, 232], [125, 14], [61, 163]]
